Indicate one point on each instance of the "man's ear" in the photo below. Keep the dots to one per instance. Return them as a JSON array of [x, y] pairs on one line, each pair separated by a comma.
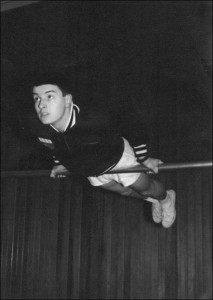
[[68, 98]]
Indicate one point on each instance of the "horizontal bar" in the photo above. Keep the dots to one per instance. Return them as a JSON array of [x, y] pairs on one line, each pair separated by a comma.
[[166, 166], [26, 173], [137, 169]]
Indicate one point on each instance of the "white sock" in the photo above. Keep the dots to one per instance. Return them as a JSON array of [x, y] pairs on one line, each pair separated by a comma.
[[152, 200]]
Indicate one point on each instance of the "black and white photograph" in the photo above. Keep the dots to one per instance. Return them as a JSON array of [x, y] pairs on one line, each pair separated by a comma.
[[106, 149]]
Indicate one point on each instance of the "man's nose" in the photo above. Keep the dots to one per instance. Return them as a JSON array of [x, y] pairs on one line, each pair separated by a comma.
[[42, 103]]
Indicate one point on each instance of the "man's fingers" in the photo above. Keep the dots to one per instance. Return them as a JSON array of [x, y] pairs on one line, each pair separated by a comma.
[[56, 175], [52, 174], [150, 172]]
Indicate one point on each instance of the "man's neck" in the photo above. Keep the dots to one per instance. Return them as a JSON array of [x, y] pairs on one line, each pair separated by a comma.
[[62, 127]]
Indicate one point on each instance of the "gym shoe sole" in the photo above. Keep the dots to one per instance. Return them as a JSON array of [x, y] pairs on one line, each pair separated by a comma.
[[168, 210], [156, 212]]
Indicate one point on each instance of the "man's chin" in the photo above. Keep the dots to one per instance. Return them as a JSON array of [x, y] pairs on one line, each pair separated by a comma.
[[45, 122]]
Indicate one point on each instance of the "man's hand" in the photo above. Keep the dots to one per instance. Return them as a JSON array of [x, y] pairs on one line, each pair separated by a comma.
[[59, 171], [152, 164]]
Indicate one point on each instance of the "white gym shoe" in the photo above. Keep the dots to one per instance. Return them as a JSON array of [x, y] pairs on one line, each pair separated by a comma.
[[168, 209], [156, 212], [156, 209]]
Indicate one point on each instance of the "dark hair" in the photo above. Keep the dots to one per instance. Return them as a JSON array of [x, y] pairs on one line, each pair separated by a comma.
[[55, 78]]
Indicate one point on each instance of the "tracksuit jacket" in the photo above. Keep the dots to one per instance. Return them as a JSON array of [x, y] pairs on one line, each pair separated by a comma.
[[92, 141]]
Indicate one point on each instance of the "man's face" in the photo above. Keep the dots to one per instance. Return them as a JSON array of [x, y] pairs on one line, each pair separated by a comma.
[[51, 106]]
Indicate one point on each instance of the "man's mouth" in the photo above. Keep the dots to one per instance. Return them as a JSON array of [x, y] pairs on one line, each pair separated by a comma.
[[43, 114]]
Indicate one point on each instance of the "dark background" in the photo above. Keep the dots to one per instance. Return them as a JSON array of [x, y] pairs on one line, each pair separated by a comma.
[[152, 58]]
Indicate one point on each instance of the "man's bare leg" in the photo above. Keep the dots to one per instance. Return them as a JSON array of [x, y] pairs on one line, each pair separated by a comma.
[[118, 188]]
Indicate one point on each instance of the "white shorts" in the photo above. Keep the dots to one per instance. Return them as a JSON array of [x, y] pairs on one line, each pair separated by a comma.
[[127, 160]]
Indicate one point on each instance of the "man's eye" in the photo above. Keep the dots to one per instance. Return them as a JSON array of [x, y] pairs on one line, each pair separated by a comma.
[[50, 97], [36, 99]]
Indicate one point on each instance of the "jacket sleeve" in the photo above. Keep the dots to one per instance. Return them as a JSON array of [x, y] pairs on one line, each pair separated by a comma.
[[49, 144], [56, 161], [134, 130], [34, 129]]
